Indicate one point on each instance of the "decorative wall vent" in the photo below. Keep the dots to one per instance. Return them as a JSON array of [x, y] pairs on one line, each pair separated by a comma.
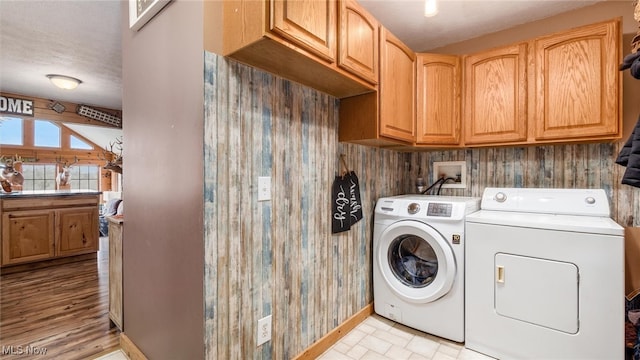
[[56, 106], [96, 114]]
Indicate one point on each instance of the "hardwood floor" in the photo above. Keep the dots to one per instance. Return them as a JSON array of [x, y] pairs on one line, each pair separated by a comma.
[[58, 312]]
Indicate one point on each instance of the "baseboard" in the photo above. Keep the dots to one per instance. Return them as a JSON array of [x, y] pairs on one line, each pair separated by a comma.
[[130, 349], [322, 345]]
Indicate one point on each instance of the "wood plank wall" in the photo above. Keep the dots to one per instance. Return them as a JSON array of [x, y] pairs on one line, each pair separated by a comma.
[[279, 257], [558, 166]]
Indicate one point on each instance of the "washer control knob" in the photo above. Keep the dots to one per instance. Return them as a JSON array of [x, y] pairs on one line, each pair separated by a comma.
[[500, 197], [413, 208], [590, 200]]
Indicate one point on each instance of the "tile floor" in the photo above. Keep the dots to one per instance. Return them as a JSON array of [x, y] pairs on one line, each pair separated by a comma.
[[379, 338], [116, 355]]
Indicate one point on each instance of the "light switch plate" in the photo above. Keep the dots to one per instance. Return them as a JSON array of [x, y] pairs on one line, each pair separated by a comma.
[[264, 188]]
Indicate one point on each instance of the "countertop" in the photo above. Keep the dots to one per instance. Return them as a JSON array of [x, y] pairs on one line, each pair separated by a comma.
[[46, 193]]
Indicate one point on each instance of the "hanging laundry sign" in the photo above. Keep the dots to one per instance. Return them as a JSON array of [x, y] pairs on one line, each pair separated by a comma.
[[346, 204], [340, 208], [355, 203]]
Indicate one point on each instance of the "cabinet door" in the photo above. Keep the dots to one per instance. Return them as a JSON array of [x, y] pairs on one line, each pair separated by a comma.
[[495, 90], [27, 236], [578, 83], [358, 45], [310, 24], [77, 231], [397, 88], [438, 99]]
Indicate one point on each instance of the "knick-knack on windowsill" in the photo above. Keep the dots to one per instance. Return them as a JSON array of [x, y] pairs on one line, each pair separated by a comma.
[[6, 185]]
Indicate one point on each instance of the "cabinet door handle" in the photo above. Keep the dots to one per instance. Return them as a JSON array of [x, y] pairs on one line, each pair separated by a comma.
[[500, 274]]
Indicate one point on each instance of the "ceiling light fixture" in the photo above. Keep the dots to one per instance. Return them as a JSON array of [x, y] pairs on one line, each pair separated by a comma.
[[430, 8], [64, 82]]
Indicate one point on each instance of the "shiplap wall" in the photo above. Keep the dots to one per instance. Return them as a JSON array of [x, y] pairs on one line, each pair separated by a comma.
[[279, 257], [558, 166]]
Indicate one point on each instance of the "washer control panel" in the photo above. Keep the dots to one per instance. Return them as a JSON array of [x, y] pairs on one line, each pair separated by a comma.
[[439, 209], [426, 207], [413, 208]]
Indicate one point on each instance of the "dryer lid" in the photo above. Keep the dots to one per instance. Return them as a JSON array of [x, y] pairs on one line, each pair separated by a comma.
[[582, 224]]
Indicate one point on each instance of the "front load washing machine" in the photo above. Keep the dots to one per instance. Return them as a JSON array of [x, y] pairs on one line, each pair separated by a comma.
[[418, 265]]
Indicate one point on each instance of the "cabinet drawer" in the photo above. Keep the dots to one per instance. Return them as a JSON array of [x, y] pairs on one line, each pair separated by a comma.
[[48, 202]]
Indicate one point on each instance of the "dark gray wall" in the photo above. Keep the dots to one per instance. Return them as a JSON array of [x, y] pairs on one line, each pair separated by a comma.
[[163, 182]]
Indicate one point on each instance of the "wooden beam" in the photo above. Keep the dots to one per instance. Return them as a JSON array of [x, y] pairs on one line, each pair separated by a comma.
[[42, 112], [45, 154]]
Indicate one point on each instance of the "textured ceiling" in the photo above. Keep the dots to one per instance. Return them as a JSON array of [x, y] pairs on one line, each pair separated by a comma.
[[81, 38], [460, 20], [75, 38]]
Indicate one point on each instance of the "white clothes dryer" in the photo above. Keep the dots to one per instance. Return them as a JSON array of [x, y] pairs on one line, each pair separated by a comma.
[[545, 276], [418, 265]]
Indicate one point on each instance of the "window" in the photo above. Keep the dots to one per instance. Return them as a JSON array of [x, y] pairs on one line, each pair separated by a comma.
[[39, 176], [84, 177], [76, 143], [11, 131], [46, 134]]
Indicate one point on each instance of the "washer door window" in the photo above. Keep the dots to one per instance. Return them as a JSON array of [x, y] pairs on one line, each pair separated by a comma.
[[413, 261], [416, 261]]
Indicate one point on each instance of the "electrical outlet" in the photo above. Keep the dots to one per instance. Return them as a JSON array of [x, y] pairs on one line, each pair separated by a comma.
[[264, 330], [264, 188]]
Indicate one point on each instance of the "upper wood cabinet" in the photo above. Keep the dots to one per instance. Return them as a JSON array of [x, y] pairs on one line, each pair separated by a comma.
[[387, 117], [295, 39], [358, 41], [495, 96], [577, 83], [310, 24], [563, 87], [397, 88], [438, 100]]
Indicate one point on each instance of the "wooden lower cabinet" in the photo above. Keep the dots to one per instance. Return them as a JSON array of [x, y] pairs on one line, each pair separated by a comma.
[[34, 229], [27, 236], [115, 272], [78, 231]]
